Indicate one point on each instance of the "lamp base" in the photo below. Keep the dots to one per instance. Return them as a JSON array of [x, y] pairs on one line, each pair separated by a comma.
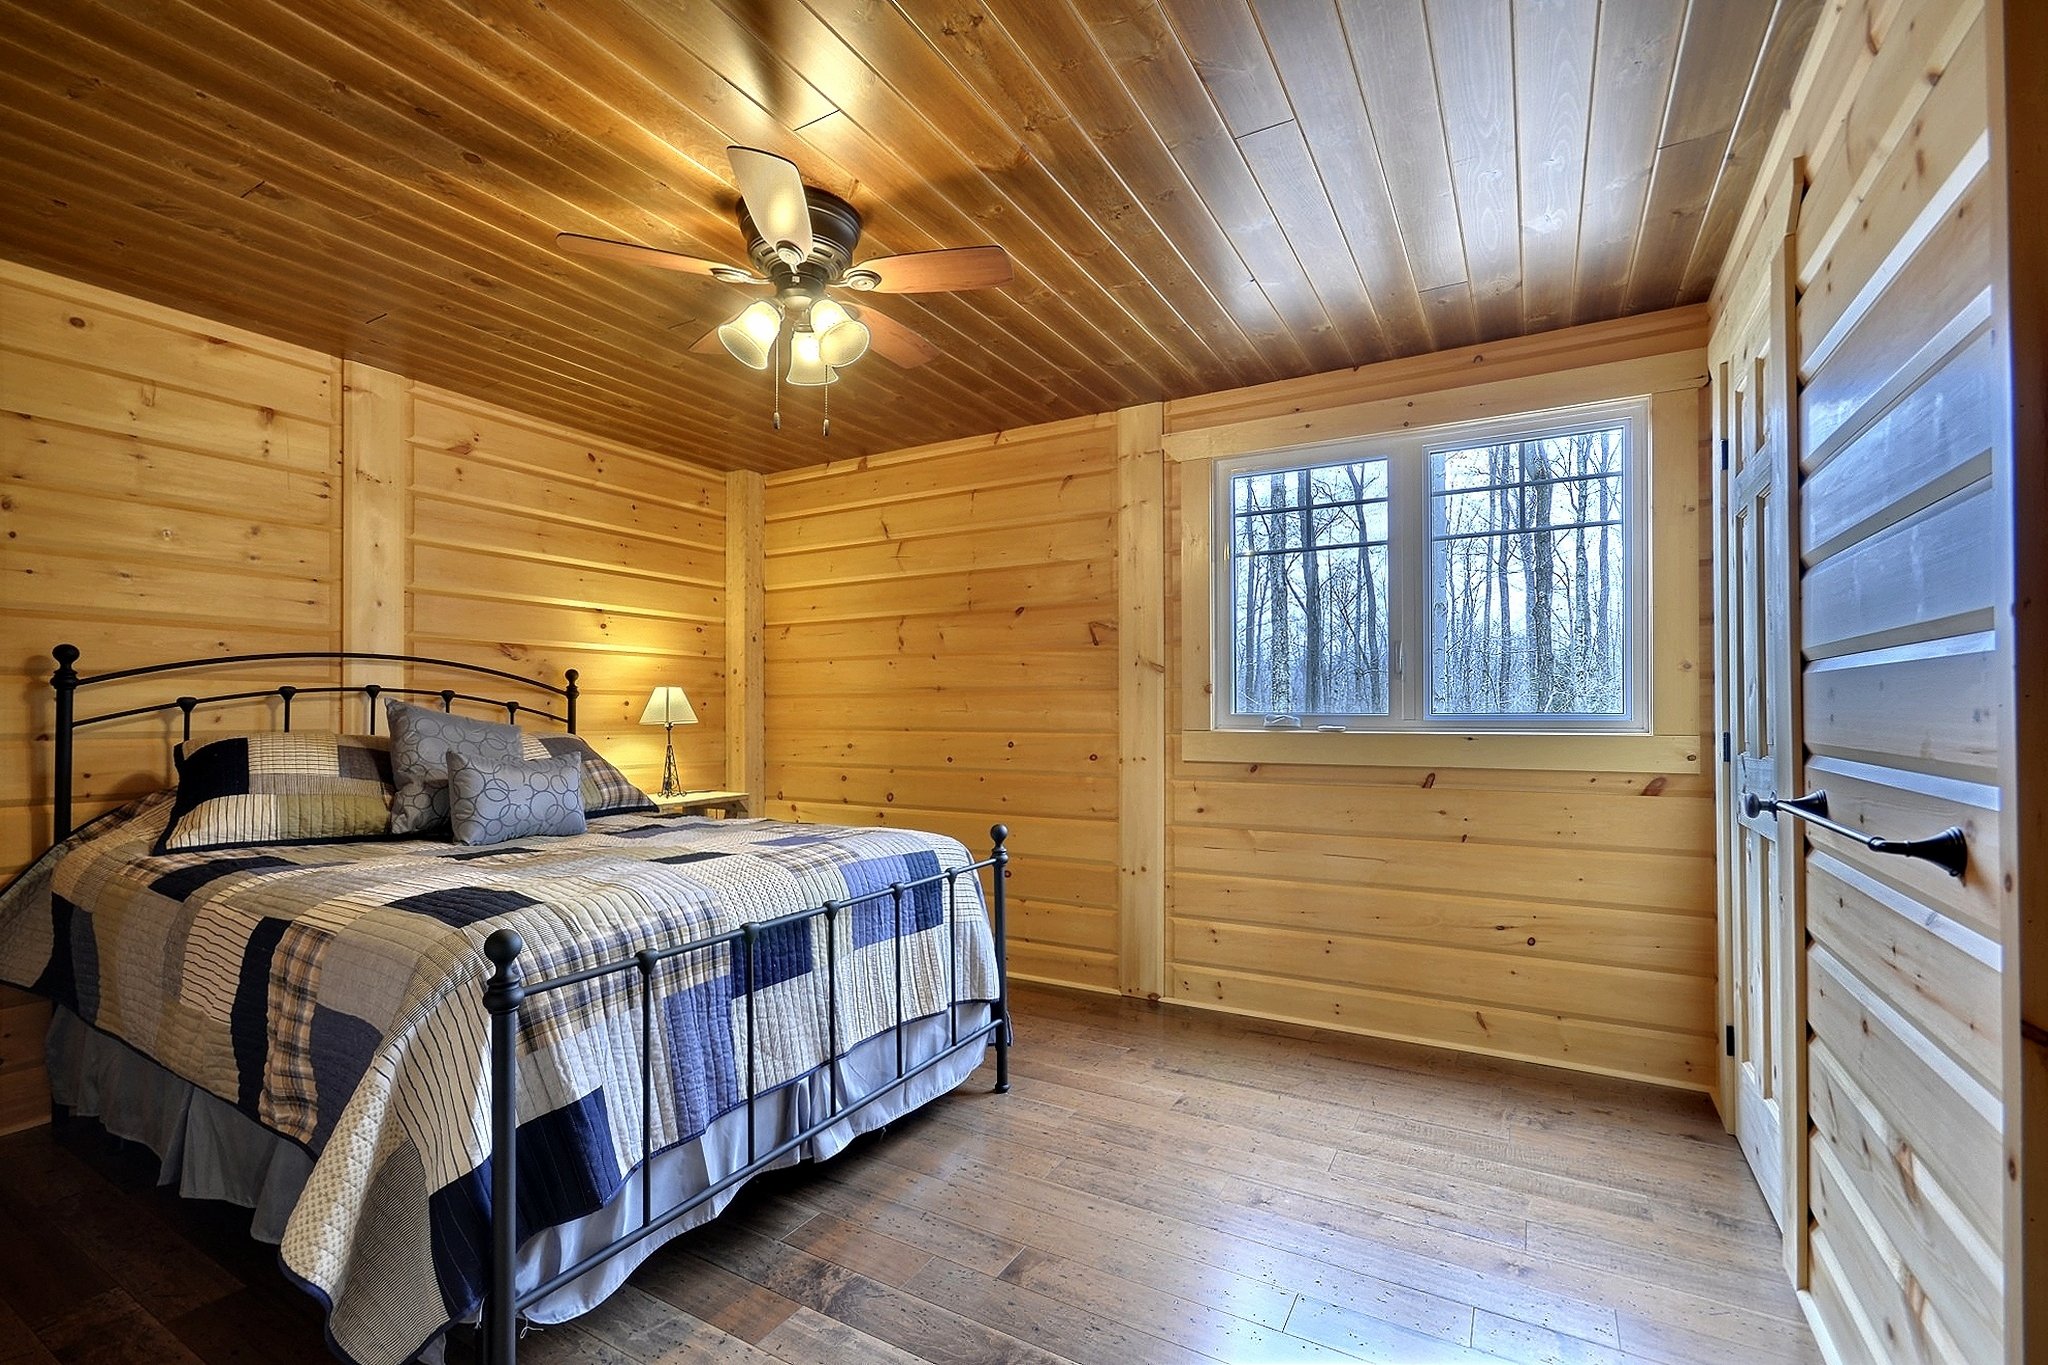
[[669, 785]]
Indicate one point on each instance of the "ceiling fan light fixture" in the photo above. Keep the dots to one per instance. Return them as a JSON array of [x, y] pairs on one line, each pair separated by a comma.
[[750, 337], [841, 340], [807, 367]]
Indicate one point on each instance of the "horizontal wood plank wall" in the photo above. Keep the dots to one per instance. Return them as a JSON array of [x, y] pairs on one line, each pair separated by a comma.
[[169, 488], [1903, 536], [534, 548], [1566, 917], [941, 651]]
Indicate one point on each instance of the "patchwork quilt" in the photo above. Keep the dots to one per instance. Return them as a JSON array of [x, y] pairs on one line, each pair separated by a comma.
[[333, 993]]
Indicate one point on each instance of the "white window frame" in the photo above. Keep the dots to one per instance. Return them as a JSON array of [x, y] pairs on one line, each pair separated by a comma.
[[1411, 567]]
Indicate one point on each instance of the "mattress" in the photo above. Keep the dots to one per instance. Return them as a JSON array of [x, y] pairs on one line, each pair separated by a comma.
[[331, 996]]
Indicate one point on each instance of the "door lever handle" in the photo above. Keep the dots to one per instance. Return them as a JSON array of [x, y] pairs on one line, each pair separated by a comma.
[[1948, 850]]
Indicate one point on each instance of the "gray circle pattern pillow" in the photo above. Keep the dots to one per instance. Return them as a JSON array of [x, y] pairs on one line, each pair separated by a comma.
[[421, 740], [492, 801]]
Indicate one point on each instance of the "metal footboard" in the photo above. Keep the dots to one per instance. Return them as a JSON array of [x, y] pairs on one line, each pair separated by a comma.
[[507, 990]]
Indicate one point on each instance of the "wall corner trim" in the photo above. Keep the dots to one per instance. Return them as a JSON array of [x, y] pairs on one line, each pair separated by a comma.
[[375, 421], [1141, 699], [745, 726]]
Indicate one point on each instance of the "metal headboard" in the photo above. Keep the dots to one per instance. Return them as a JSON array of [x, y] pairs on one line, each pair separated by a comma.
[[66, 682]]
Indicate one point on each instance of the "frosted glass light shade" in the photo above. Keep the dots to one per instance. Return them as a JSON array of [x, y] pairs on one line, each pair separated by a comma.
[[669, 706], [807, 366], [750, 337], [841, 340]]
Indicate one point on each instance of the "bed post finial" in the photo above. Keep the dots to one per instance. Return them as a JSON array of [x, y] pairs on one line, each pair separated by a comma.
[[502, 996], [1000, 858], [65, 683], [569, 695]]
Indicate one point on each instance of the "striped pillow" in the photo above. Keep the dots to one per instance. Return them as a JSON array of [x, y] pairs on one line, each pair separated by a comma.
[[606, 790], [301, 787]]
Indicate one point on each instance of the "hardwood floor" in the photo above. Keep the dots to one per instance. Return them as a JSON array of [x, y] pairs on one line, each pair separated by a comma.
[[1161, 1185]]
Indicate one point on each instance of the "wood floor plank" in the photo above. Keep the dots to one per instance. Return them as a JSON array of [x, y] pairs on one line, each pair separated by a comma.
[[1162, 1185], [1364, 1337], [111, 1328], [861, 1249], [726, 1301], [809, 1338], [639, 1327], [1064, 1329]]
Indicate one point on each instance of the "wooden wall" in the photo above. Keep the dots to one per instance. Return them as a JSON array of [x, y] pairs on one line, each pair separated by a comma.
[[1902, 535], [171, 488], [943, 648], [1561, 915], [941, 651], [168, 489], [534, 548]]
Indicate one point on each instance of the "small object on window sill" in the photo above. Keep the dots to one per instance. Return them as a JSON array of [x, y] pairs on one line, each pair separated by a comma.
[[1329, 729], [1283, 722]]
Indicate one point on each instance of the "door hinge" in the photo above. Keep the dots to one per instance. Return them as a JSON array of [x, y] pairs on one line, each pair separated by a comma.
[[1724, 454], [1727, 748], [1729, 1041]]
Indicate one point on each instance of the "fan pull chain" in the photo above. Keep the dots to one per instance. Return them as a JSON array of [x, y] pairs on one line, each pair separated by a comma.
[[778, 381], [826, 391]]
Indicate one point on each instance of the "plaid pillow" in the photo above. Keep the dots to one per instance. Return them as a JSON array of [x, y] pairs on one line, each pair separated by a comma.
[[606, 790], [304, 787]]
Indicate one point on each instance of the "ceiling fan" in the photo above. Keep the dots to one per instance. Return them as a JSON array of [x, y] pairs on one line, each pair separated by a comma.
[[801, 241]]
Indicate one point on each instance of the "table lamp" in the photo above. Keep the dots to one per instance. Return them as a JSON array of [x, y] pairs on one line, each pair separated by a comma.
[[669, 707]]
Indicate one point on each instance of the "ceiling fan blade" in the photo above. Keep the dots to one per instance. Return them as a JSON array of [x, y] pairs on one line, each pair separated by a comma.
[[927, 272], [773, 189], [893, 340], [605, 249], [709, 344]]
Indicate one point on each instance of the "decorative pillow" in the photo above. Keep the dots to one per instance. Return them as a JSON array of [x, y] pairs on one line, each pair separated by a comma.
[[421, 740], [301, 787], [606, 790], [491, 801]]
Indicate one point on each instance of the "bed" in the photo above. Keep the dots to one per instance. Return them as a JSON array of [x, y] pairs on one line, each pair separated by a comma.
[[481, 1083]]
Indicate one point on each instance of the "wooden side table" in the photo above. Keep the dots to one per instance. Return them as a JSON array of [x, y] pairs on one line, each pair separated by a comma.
[[725, 805]]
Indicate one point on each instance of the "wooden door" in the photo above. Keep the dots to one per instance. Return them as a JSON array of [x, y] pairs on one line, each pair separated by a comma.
[[1757, 583]]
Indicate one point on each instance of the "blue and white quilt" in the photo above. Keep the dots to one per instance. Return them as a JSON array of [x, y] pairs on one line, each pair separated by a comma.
[[333, 992]]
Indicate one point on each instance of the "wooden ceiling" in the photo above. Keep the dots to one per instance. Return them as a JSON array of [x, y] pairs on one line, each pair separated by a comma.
[[1197, 194]]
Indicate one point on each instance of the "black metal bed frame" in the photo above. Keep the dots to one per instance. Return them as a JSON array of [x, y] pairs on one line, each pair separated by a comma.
[[506, 990]]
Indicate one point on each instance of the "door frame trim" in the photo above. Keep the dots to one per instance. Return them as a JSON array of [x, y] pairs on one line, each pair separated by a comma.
[[1777, 310]]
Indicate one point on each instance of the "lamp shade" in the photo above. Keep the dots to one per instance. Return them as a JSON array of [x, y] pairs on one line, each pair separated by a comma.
[[668, 706], [806, 367], [841, 340], [750, 337]]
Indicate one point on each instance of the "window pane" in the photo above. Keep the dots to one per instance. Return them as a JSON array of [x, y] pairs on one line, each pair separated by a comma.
[[1528, 584], [1308, 621]]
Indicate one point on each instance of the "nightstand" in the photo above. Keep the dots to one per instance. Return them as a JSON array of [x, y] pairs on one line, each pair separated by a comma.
[[726, 805]]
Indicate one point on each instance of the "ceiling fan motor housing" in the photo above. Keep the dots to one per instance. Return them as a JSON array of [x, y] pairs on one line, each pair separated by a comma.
[[835, 231]]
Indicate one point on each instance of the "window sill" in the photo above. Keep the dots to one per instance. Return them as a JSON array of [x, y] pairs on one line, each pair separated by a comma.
[[1552, 752]]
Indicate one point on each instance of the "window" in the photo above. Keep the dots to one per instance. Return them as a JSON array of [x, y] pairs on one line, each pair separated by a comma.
[[1469, 578]]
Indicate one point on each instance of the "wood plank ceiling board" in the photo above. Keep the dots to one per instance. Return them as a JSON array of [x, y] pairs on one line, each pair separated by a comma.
[[1343, 173], [1197, 195], [1698, 124], [1635, 53], [1472, 42], [1553, 112]]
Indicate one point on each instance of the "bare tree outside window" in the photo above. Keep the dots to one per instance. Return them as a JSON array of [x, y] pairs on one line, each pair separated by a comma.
[[1309, 590], [1528, 582], [1462, 579]]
